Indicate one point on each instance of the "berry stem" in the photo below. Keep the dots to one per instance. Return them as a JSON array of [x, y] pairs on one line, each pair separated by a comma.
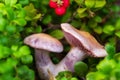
[[59, 2]]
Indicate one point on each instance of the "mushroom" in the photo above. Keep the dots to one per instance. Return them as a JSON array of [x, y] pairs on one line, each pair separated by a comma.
[[44, 44], [82, 44]]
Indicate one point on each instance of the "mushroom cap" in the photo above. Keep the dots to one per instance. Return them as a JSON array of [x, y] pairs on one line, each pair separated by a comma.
[[83, 40], [44, 41]]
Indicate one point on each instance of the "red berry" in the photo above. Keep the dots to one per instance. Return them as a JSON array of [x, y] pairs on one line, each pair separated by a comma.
[[53, 4], [66, 3], [60, 11]]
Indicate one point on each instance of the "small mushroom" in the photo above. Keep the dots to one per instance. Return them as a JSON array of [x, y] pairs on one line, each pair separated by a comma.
[[82, 44], [44, 44]]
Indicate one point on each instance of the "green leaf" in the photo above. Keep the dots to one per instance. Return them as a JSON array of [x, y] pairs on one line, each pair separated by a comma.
[[91, 76], [76, 23], [10, 2], [66, 16], [110, 50], [115, 8], [24, 2], [7, 66], [17, 54], [98, 29], [100, 3], [38, 29], [24, 73], [117, 34], [3, 23], [117, 25], [24, 50], [108, 29], [30, 29], [14, 47], [112, 40], [43, 9], [31, 12], [20, 21], [37, 17], [10, 13], [64, 75], [64, 78], [12, 62], [27, 59], [79, 2], [80, 68], [45, 2], [57, 34], [105, 66], [8, 77], [11, 28], [83, 15], [47, 19], [115, 74], [21, 13], [73, 78], [117, 57], [4, 51], [89, 3], [98, 19], [96, 76], [81, 10], [1, 5], [4, 39], [18, 6], [92, 23]]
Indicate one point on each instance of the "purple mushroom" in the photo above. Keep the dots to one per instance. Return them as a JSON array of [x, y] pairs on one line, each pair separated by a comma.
[[82, 44]]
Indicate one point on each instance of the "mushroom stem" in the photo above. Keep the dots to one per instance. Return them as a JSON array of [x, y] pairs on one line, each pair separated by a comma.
[[43, 63], [73, 56]]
